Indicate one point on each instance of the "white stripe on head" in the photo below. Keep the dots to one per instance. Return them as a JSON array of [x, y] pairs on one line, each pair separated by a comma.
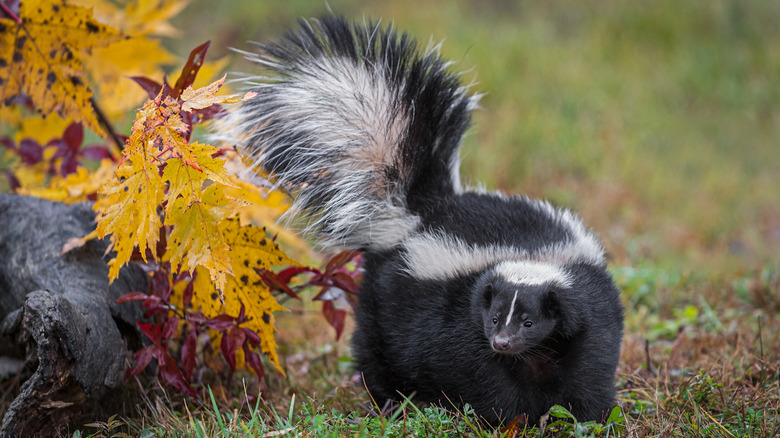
[[511, 309], [533, 273]]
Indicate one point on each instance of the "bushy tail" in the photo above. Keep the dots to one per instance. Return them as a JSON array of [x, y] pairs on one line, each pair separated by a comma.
[[359, 124]]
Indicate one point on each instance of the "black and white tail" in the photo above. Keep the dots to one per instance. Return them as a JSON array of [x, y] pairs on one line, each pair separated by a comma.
[[361, 125]]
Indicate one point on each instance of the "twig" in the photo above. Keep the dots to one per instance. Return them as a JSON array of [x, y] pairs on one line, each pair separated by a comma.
[[10, 13], [761, 351], [647, 356], [106, 124], [716, 422]]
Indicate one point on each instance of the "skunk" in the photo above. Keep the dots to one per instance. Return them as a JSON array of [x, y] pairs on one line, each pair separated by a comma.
[[496, 301]]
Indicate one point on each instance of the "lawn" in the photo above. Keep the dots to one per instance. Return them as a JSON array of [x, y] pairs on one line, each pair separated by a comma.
[[658, 122]]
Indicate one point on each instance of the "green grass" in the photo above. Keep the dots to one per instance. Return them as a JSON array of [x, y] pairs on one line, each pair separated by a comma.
[[309, 418], [658, 122]]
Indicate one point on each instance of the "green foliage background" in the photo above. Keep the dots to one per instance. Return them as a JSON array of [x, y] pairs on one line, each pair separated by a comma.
[[657, 121]]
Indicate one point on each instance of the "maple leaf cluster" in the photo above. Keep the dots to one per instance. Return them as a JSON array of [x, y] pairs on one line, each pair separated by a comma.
[[41, 52], [175, 203], [164, 201]]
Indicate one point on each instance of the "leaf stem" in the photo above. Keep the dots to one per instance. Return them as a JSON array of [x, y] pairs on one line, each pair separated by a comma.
[[10, 13], [106, 124]]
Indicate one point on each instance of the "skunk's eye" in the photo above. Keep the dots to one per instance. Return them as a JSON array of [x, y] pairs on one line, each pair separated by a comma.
[[495, 320], [528, 324]]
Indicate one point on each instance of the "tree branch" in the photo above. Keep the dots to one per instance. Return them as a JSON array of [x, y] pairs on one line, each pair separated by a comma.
[[106, 124]]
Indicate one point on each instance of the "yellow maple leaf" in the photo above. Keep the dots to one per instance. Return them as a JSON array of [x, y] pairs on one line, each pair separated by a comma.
[[159, 126], [206, 96], [252, 250], [41, 57], [197, 199], [266, 206], [184, 179], [41, 128], [10, 116], [112, 67], [141, 55], [195, 215], [139, 17], [33, 176], [127, 209], [170, 130], [75, 187]]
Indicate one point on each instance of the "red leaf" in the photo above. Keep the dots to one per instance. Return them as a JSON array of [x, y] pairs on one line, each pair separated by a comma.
[[195, 318], [161, 354], [190, 69], [69, 165], [152, 332], [152, 302], [224, 348], [132, 296], [165, 91], [286, 274], [169, 329], [220, 322], [73, 136], [142, 359], [252, 336], [159, 285], [188, 293], [7, 143], [172, 375], [162, 244], [157, 310], [231, 342], [96, 153], [341, 259], [237, 338], [215, 111], [253, 360], [344, 282], [322, 292], [12, 180], [321, 280], [241, 318], [275, 282], [151, 87], [30, 151], [334, 316], [188, 354]]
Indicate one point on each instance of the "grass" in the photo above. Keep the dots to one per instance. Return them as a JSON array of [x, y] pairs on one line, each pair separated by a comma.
[[658, 122], [709, 368]]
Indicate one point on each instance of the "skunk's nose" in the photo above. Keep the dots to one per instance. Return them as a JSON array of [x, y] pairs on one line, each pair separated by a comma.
[[501, 343]]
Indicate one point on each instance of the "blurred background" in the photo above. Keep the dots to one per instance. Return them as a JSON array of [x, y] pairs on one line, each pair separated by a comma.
[[658, 122]]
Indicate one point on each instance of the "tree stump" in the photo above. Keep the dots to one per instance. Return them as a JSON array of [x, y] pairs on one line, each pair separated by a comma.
[[58, 312]]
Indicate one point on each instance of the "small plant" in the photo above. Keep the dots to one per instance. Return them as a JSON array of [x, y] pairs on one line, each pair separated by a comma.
[[105, 429]]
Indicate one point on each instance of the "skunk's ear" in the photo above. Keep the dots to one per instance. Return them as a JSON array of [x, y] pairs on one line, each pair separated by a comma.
[[551, 305], [569, 319], [487, 294]]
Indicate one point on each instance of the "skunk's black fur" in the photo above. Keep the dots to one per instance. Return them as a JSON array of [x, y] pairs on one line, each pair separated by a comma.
[[502, 302]]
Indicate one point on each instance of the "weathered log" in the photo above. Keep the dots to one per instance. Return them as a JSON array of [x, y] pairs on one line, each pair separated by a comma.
[[60, 312]]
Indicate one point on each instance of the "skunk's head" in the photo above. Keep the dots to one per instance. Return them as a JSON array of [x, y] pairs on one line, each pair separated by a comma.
[[520, 305]]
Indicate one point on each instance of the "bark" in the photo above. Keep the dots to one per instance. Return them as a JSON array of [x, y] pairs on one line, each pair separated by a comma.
[[59, 312]]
